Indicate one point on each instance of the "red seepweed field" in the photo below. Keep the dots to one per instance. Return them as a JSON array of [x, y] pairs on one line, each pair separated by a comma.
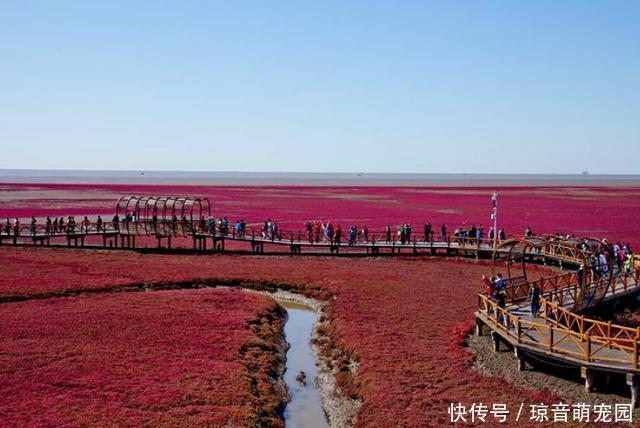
[[585, 211], [159, 359], [402, 319]]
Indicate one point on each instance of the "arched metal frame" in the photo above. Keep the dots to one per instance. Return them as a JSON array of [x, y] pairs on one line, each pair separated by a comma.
[[579, 252], [522, 250], [156, 214]]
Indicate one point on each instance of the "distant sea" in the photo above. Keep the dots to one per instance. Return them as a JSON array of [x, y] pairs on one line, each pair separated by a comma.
[[311, 179]]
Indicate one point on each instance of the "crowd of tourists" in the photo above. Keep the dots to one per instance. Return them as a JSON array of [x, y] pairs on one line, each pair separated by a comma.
[[607, 258], [477, 233], [57, 225], [314, 231], [604, 259]]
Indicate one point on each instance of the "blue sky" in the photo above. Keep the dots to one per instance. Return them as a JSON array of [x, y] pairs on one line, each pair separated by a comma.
[[424, 87]]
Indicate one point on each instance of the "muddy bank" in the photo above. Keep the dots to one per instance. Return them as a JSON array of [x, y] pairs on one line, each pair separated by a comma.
[[339, 406], [563, 381], [264, 360]]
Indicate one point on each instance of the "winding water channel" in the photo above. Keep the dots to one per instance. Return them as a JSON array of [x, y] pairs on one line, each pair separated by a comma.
[[305, 408]]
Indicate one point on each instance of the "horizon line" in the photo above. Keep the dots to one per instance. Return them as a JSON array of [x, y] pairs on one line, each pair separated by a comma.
[[584, 174]]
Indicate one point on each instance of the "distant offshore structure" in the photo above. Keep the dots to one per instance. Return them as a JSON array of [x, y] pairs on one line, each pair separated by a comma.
[[585, 172]]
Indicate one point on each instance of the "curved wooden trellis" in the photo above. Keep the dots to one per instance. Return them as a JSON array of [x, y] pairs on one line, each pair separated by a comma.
[[161, 215]]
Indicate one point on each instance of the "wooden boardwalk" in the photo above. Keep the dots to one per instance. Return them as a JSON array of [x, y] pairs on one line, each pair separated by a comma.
[[559, 332], [166, 234], [561, 335]]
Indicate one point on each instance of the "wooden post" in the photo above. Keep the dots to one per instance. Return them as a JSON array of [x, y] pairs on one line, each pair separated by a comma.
[[587, 374], [550, 344], [479, 327], [520, 359], [634, 382], [495, 338]]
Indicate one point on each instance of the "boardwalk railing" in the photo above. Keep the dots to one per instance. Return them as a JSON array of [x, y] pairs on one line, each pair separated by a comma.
[[517, 289], [601, 333], [186, 228], [560, 331]]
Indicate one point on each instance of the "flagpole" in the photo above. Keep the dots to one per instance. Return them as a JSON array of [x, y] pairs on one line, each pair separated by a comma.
[[494, 217]]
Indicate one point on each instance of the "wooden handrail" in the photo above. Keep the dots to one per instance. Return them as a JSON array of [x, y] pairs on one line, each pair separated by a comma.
[[557, 335]]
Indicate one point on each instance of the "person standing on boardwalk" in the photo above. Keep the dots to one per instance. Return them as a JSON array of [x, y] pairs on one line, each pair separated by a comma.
[[443, 232], [353, 231], [534, 297], [308, 227], [387, 234], [84, 225], [338, 234], [331, 233], [603, 263], [472, 232], [316, 231], [16, 226], [47, 226], [99, 224], [580, 274], [427, 231], [365, 233], [628, 263], [32, 226], [401, 233], [71, 224], [489, 285]]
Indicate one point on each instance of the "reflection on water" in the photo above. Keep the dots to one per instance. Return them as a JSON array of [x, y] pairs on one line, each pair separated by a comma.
[[305, 407]]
